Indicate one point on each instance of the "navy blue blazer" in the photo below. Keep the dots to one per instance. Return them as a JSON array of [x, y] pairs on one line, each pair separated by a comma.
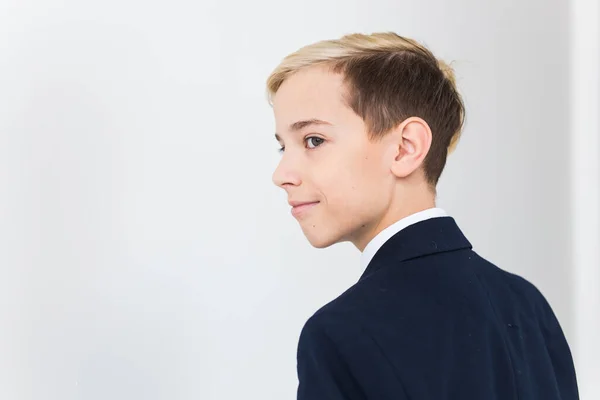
[[430, 319]]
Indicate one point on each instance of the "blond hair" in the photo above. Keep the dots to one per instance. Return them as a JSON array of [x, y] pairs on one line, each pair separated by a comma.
[[389, 78]]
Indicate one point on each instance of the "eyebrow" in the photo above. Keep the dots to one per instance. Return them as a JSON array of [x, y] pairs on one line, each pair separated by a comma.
[[298, 125]]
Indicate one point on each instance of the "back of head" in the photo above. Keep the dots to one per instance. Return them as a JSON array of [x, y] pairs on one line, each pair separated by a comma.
[[389, 78]]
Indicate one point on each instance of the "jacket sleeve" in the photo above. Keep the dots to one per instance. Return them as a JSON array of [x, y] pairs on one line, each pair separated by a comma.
[[559, 352], [339, 360]]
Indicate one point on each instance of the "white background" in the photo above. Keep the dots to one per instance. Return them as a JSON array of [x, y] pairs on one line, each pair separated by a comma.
[[145, 253]]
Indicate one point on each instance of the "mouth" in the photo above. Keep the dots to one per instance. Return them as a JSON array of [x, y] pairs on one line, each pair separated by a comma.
[[300, 208]]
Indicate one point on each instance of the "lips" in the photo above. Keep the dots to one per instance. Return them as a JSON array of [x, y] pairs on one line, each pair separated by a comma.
[[300, 208]]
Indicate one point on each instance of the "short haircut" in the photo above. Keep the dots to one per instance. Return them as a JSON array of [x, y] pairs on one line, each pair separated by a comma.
[[389, 78]]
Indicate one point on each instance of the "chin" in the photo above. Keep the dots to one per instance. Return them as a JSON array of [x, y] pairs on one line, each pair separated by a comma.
[[320, 241], [321, 245]]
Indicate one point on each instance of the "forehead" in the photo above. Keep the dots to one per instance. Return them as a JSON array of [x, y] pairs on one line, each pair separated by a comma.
[[311, 93]]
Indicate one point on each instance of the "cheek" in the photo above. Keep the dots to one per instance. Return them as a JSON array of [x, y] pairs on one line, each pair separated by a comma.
[[355, 186]]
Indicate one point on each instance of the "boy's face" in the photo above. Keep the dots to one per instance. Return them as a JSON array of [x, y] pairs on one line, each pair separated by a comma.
[[331, 165]]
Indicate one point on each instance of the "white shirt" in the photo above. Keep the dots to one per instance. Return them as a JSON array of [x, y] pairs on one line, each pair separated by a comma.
[[385, 235]]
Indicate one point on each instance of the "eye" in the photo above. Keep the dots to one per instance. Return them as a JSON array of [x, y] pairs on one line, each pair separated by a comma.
[[314, 141], [281, 149]]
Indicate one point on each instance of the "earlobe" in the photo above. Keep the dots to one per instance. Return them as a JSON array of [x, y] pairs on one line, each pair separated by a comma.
[[414, 142]]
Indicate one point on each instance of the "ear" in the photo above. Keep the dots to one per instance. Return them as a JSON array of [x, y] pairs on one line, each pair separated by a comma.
[[412, 145]]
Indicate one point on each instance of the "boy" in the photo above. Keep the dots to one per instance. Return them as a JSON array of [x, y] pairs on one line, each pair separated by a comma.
[[365, 124]]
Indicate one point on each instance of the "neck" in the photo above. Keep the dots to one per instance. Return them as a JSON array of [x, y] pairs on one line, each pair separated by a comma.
[[401, 208]]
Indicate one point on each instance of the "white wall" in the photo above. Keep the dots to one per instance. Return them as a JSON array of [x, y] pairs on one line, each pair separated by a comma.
[[144, 252], [585, 191]]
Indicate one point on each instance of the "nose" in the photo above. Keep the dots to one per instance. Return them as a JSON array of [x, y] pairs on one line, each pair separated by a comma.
[[286, 173]]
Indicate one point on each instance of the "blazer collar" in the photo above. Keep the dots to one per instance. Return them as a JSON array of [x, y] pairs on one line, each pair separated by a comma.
[[424, 238]]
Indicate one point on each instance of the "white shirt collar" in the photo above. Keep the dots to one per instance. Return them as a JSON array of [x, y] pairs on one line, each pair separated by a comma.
[[383, 236]]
